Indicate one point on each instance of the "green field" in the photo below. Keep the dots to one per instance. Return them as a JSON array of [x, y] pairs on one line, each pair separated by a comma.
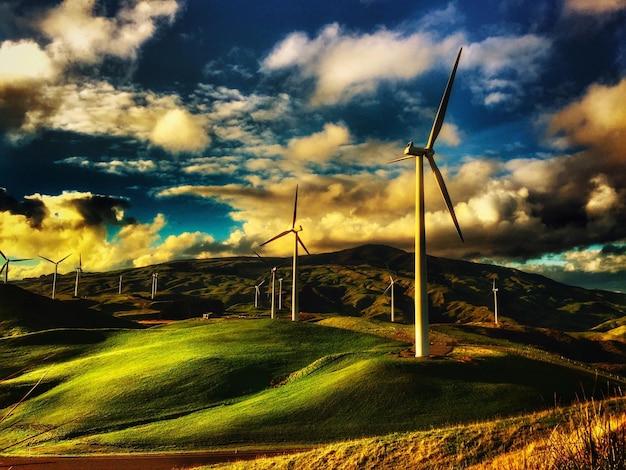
[[235, 383]]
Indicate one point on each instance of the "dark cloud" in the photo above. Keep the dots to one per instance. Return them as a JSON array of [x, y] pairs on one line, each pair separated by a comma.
[[98, 210], [33, 209]]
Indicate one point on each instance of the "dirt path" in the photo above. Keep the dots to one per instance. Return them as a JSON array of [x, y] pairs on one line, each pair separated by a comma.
[[135, 462]]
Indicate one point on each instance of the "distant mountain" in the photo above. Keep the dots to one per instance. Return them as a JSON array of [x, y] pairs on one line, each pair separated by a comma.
[[352, 282], [22, 311]]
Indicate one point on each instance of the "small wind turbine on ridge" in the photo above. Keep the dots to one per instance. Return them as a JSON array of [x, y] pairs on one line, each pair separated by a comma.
[[392, 282], [494, 289], [79, 269], [7, 262], [297, 240], [56, 268], [273, 288], [257, 293], [421, 291]]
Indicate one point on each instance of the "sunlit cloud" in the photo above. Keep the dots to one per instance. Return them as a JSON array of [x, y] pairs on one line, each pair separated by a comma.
[[594, 8]]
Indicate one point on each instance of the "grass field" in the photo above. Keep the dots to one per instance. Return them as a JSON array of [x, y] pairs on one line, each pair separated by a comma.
[[232, 383]]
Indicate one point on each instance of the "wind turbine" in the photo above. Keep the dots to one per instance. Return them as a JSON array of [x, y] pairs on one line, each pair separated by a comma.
[[79, 269], [296, 240], [155, 284], [392, 281], [494, 289], [56, 268], [280, 293], [421, 291], [119, 285], [7, 262], [257, 293]]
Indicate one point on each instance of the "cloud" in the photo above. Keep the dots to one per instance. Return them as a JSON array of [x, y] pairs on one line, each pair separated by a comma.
[[319, 146], [597, 121], [179, 131], [593, 8], [77, 34], [504, 64], [345, 65]]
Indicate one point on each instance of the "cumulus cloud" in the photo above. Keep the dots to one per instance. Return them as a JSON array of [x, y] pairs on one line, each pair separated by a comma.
[[36, 91], [345, 65], [77, 34], [94, 227], [319, 146]]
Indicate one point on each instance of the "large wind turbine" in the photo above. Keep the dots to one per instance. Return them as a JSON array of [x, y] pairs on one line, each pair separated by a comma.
[[296, 240], [79, 269], [56, 269], [7, 262], [421, 291]]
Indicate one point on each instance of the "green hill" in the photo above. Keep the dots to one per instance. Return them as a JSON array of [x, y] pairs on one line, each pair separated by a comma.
[[204, 384], [22, 311]]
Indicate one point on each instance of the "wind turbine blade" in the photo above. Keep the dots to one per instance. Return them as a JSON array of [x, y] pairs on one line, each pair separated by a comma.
[[295, 209], [63, 259], [3, 266], [302, 244], [22, 259], [49, 260], [407, 157], [3, 255], [441, 112], [261, 258], [444, 193], [388, 287], [277, 236]]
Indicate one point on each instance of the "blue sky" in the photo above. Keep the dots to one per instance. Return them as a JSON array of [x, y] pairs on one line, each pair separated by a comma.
[[137, 132]]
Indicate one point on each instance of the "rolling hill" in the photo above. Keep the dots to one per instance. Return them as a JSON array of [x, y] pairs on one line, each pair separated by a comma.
[[351, 282]]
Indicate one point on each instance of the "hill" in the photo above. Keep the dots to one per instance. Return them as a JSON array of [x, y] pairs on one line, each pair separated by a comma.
[[22, 311], [351, 282]]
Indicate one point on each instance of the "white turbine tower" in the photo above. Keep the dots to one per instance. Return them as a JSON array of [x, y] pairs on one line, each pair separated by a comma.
[[280, 293], [494, 289], [421, 291], [273, 288], [392, 282], [56, 269], [79, 269], [155, 284], [119, 285], [296, 240], [7, 262], [257, 293]]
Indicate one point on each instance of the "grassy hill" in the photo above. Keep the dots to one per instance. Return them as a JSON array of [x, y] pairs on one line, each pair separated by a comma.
[[203, 384], [351, 282]]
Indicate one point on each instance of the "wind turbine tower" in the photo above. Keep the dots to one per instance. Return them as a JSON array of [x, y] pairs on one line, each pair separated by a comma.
[[392, 282], [421, 290], [7, 262], [119, 285], [155, 284], [296, 240], [280, 293], [257, 293], [79, 270], [56, 269], [494, 289]]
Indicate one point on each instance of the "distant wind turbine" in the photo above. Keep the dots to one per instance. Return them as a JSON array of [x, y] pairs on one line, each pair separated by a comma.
[[119, 285], [296, 240], [56, 269], [392, 282], [79, 270], [494, 289], [421, 291], [155, 284], [7, 262], [257, 293], [280, 293]]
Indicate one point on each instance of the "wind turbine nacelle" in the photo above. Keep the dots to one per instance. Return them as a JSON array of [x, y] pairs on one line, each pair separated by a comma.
[[417, 151]]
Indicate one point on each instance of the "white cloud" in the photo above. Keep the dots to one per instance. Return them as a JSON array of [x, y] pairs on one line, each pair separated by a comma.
[[24, 62], [593, 7]]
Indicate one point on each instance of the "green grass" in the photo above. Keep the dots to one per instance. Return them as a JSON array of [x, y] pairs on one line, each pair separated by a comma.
[[198, 384]]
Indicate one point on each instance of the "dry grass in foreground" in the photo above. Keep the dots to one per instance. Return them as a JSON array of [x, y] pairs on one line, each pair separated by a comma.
[[587, 436]]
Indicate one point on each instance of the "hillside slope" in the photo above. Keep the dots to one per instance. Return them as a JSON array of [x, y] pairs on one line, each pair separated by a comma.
[[352, 282]]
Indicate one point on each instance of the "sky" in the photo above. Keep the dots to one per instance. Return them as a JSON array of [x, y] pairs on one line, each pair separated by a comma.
[[138, 132]]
